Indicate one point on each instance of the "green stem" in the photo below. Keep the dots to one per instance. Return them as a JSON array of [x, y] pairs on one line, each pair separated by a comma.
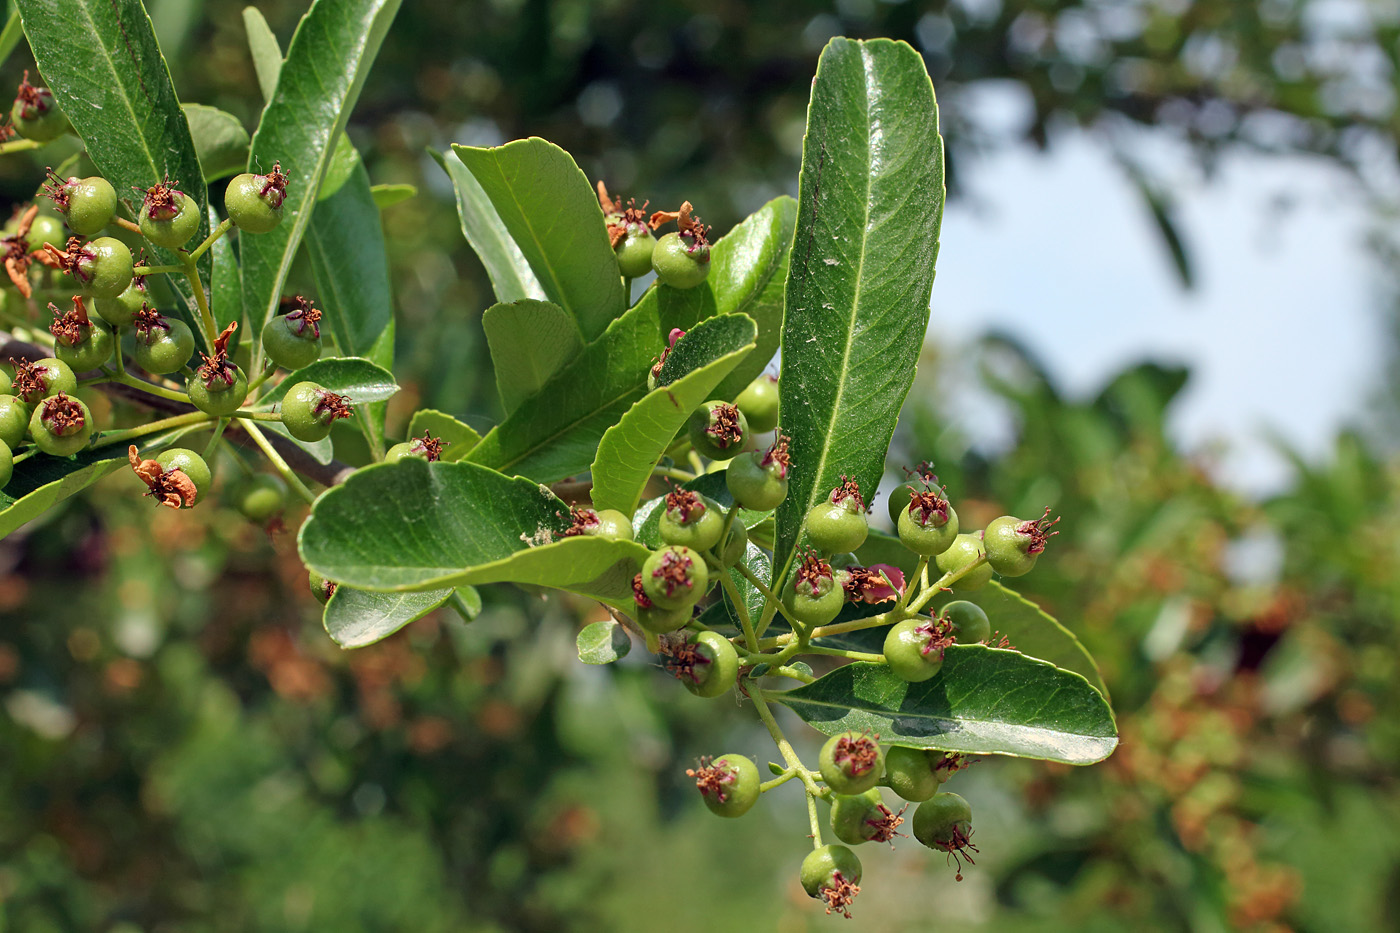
[[784, 746], [214, 439], [672, 473], [945, 581], [156, 270], [18, 145], [262, 377], [257, 415], [164, 424], [20, 458], [211, 330], [117, 346], [814, 821], [697, 464], [842, 653], [792, 673], [770, 598], [460, 606], [127, 379], [278, 463], [919, 575], [732, 592], [217, 232], [778, 781]]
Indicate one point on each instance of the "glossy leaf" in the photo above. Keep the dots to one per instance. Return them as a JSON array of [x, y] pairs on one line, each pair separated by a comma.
[[389, 195], [530, 341], [984, 701], [101, 60], [767, 235], [266, 52], [317, 87], [603, 642], [551, 211], [356, 618], [357, 378], [1035, 632], [416, 525], [41, 482], [345, 243], [631, 448], [219, 139], [458, 439], [512, 279], [857, 302], [556, 433]]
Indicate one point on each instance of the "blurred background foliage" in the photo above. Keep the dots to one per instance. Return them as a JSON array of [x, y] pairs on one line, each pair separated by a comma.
[[182, 748]]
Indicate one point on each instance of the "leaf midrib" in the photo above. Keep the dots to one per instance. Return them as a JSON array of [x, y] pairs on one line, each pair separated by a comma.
[[561, 297]]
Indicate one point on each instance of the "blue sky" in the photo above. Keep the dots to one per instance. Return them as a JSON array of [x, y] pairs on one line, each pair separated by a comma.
[[1284, 329]]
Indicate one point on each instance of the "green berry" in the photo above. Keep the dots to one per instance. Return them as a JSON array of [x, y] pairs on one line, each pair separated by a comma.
[[14, 420], [169, 218], [308, 411], [7, 464], [675, 577], [102, 267], [728, 784], [189, 463], [913, 773], [320, 587], [705, 663], [218, 393], [691, 520], [899, 500], [864, 818], [717, 430], [839, 523], [965, 550], [732, 549], [759, 403], [163, 346], [254, 202], [914, 649], [832, 874], [42, 379], [969, 624], [61, 425], [928, 525], [89, 203], [35, 115], [813, 593], [681, 260], [851, 763], [1013, 544], [121, 310], [46, 229], [943, 822], [293, 340], [261, 497], [613, 525], [91, 351], [759, 481], [660, 621], [635, 250]]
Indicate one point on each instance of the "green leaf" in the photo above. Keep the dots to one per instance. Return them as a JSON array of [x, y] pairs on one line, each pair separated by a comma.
[[760, 564], [857, 303], [10, 36], [225, 300], [219, 139], [355, 618], [631, 448], [362, 381], [530, 341], [344, 158], [389, 195], [512, 279], [415, 525], [345, 243], [266, 52], [552, 213], [1035, 632], [457, 438], [767, 234], [101, 60], [317, 87], [41, 482], [603, 643], [984, 701], [556, 432], [357, 378]]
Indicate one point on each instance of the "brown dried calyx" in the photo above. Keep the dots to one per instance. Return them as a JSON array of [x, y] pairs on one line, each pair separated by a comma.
[[685, 506], [690, 226], [814, 576], [639, 593], [856, 754], [712, 781], [28, 383], [72, 327], [886, 826], [61, 415], [864, 585], [777, 460], [274, 189], [160, 202], [724, 425], [1038, 529], [148, 319], [940, 637], [30, 99], [59, 190], [928, 506], [840, 895], [621, 219], [685, 660], [676, 334], [848, 495], [304, 316], [330, 406], [17, 255], [218, 372], [674, 572], [581, 522], [170, 488]]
